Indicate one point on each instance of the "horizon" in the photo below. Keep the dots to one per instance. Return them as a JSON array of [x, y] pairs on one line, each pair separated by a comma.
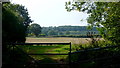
[[62, 25]]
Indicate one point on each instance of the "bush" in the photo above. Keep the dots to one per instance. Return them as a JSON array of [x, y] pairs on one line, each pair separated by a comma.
[[42, 35]]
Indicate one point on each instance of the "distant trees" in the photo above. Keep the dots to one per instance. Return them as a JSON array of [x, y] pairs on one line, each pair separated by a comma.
[[38, 31], [52, 32], [35, 29], [66, 30], [67, 33]]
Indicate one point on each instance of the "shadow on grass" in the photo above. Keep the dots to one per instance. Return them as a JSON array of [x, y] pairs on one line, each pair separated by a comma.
[[51, 63]]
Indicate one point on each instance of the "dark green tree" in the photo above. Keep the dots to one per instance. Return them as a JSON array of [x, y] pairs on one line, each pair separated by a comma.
[[15, 20], [13, 31], [104, 15], [21, 11], [35, 29]]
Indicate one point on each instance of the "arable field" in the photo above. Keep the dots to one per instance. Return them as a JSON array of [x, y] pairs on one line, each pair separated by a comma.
[[59, 49], [57, 39], [51, 49]]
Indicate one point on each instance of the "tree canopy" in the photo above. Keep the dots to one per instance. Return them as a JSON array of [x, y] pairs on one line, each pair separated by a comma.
[[104, 15], [15, 20], [35, 29]]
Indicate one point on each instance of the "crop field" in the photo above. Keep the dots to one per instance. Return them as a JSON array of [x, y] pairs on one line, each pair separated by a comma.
[[60, 49], [57, 39]]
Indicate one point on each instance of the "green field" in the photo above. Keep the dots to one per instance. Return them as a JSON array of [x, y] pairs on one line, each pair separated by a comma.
[[60, 49], [43, 49]]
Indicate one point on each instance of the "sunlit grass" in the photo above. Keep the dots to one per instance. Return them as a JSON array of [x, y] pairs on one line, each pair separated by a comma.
[[42, 49], [77, 44]]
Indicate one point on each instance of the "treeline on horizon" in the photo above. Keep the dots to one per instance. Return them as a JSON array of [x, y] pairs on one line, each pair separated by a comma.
[[66, 31]]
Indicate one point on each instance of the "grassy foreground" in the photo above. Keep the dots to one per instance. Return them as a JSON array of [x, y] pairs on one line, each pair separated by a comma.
[[38, 49], [76, 42]]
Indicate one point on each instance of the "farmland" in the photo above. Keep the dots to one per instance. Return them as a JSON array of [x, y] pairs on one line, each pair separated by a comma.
[[57, 39], [60, 49], [52, 49], [38, 49]]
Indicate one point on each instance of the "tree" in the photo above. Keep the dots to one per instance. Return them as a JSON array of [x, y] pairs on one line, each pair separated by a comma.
[[60, 33], [15, 21], [35, 29], [13, 27], [21, 11], [52, 32], [67, 33], [13, 31], [104, 15]]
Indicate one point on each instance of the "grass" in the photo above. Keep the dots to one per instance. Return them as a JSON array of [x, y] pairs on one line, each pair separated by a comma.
[[45, 49], [76, 42], [38, 49]]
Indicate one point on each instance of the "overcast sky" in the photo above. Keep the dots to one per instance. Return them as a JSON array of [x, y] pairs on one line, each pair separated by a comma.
[[52, 13]]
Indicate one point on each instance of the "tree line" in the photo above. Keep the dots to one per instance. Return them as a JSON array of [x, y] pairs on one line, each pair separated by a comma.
[[60, 31]]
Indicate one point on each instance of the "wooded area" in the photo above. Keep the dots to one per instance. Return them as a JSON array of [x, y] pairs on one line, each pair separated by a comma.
[[63, 31]]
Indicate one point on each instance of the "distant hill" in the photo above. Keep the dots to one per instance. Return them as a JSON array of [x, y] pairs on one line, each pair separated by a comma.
[[67, 30]]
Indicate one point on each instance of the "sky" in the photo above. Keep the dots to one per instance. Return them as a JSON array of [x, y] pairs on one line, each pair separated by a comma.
[[52, 13]]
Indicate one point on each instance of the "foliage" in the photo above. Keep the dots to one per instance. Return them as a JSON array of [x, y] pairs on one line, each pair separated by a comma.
[[102, 58], [21, 11], [104, 15], [52, 32], [41, 35], [35, 29], [67, 30], [15, 21], [93, 39], [92, 55], [31, 35]]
